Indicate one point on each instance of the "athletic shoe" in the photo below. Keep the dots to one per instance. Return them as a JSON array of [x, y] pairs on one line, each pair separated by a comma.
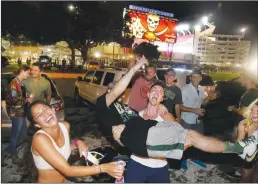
[[184, 165], [250, 147], [200, 163]]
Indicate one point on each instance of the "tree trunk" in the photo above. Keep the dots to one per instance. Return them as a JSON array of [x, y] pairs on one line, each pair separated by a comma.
[[84, 52], [73, 57]]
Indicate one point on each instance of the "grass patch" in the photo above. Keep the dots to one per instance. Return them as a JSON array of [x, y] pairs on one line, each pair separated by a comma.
[[223, 76]]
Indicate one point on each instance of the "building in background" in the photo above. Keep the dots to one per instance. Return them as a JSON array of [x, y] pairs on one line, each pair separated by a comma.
[[23, 50], [223, 50]]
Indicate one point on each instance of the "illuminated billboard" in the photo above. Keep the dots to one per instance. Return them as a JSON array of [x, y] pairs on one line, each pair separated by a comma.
[[149, 24]]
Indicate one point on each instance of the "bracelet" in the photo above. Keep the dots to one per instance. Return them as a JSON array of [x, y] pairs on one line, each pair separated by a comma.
[[75, 142]]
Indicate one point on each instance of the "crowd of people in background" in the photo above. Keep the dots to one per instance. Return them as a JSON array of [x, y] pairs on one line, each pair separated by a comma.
[[158, 123], [129, 130]]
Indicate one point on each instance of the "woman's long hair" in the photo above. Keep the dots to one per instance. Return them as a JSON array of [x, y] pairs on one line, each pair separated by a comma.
[[21, 68]]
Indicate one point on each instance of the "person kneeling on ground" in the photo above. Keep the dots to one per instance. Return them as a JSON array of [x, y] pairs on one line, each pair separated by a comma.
[[51, 148]]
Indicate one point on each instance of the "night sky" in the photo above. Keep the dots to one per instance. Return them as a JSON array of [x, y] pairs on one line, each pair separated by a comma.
[[38, 18]]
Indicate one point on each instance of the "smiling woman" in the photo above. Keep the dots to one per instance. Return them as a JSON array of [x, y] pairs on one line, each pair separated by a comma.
[[51, 148], [246, 128]]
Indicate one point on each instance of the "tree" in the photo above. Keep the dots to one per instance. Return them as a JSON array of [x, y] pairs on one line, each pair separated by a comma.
[[88, 26]]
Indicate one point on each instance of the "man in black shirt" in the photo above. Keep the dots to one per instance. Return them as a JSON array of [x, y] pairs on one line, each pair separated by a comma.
[[173, 95], [249, 96]]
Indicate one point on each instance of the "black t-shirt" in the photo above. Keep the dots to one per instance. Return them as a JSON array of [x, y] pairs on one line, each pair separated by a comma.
[[248, 97], [115, 114], [173, 96], [135, 133]]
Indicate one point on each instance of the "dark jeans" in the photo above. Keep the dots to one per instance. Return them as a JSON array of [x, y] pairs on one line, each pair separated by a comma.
[[138, 173], [18, 133]]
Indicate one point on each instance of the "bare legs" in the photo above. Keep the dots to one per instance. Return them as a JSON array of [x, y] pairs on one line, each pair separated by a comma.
[[204, 143]]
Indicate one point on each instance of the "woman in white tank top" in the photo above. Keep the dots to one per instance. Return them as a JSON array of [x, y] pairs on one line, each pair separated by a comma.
[[51, 148]]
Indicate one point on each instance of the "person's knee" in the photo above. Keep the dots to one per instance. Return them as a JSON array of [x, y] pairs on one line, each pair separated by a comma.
[[193, 135]]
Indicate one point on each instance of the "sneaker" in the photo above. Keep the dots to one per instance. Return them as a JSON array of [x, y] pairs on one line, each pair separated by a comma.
[[17, 160], [184, 165], [200, 163], [250, 147]]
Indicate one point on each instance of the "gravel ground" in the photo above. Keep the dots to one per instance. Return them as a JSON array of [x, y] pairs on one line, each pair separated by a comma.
[[84, 125]]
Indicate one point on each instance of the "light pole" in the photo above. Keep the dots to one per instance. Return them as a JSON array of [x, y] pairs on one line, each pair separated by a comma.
[[197, 28], [240, 44]]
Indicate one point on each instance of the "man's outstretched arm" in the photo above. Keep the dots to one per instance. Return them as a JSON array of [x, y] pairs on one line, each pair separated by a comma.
[[121, 85]]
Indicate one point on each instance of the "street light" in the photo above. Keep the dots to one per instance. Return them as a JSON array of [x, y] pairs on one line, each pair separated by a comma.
[[243, 30], [182, 28], [197, 28], [97, 54], [205, 20], [71, 7]]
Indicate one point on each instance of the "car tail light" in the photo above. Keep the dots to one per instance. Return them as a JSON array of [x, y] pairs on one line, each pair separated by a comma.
[[58, 106]]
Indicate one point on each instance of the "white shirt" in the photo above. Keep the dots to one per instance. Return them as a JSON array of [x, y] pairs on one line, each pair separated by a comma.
[[150, 162], [193, 100]]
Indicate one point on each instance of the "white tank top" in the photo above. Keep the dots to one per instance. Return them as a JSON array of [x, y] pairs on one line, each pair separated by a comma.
[[150, 162], [65, 151]]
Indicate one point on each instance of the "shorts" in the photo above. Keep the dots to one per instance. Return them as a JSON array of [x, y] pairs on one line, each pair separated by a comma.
[[138, 173], [166, 140]]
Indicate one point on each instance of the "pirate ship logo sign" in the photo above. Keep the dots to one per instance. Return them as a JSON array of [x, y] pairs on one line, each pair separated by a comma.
[[150, 26]]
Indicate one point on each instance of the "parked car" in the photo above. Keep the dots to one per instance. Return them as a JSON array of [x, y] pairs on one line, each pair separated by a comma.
[[92, 65], [4, 61], [95, 83], [56, 103], [46, 61]]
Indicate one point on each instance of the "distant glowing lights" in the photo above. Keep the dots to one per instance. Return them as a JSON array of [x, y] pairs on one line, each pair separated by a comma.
[[197, 27], [71, 7], [205, 20], [97, 54]]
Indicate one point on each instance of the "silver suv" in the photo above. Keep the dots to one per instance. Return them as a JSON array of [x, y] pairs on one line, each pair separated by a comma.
[[94, 84]]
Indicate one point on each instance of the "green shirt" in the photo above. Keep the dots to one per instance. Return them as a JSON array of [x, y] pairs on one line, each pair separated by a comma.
[[40, 88]]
